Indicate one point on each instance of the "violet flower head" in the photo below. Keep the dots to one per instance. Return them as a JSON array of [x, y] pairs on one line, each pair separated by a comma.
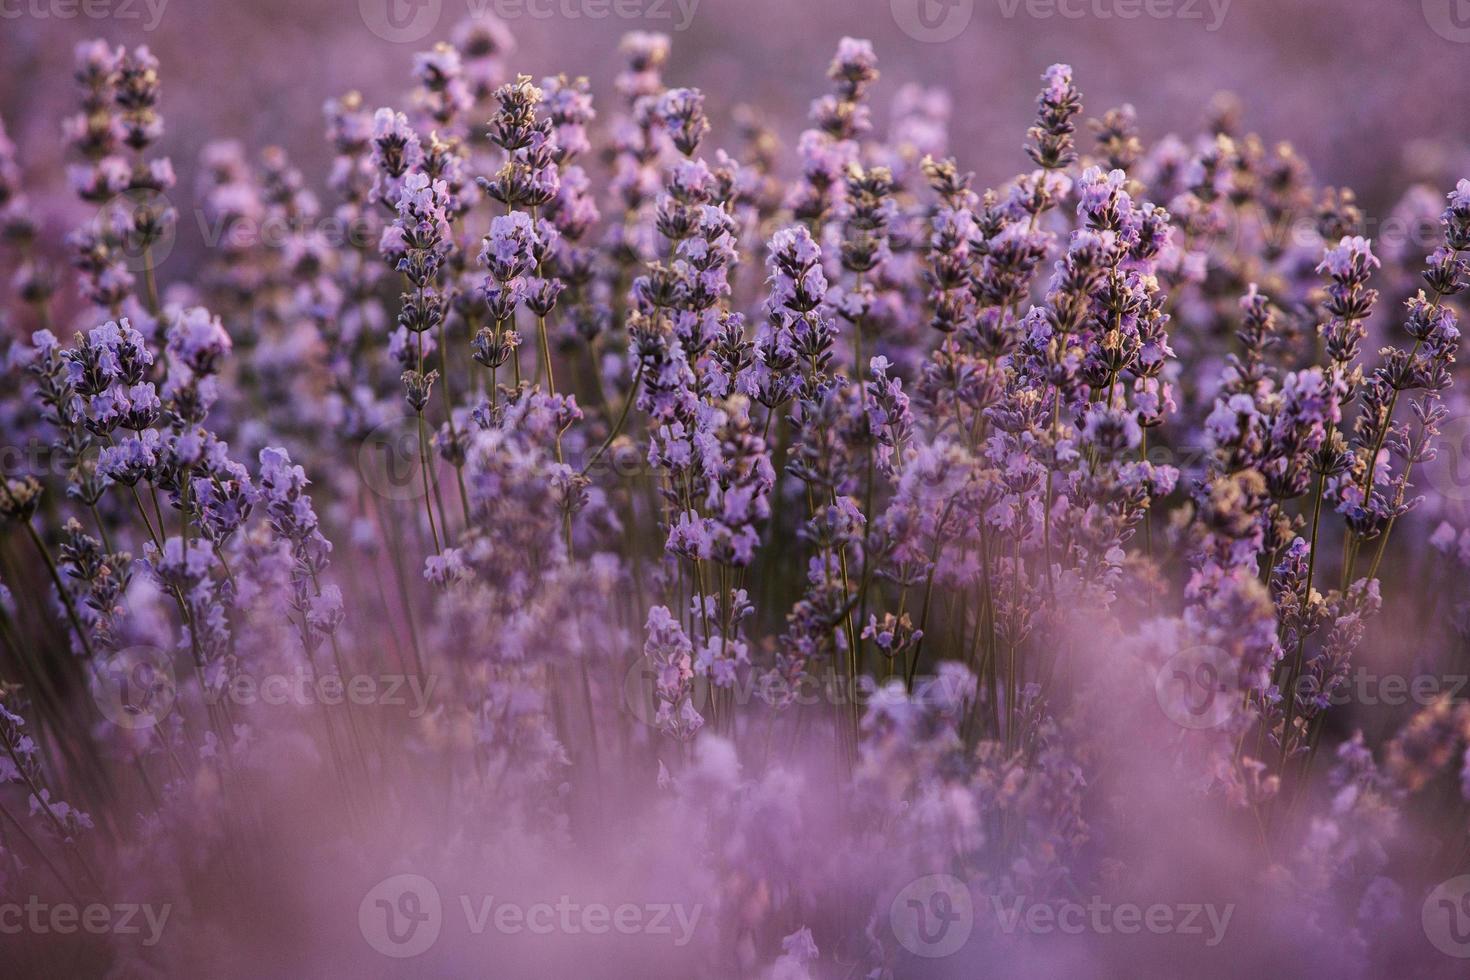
[[199, 341], [854, 67], [682, 112], [395, 152], [1050, 139], [440, 73], [568, 104], [670, 653], [646, 52], [137, 98], [483, 41]]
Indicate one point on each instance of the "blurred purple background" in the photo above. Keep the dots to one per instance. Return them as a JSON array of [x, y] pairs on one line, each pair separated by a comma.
[[1372, 91]]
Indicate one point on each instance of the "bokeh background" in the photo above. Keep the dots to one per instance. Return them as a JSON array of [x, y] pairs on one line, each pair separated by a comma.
[[1372, 92]]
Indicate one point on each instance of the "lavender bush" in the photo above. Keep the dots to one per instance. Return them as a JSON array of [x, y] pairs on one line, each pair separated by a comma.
[[778, 561]]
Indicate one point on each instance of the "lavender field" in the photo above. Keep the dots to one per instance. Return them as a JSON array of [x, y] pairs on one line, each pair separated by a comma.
[[688, 488]]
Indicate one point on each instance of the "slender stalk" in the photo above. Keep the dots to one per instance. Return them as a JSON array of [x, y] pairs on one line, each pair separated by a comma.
[[618, 425]]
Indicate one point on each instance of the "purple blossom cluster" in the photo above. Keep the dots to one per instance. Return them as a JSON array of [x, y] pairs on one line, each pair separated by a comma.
[[780, 532]]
